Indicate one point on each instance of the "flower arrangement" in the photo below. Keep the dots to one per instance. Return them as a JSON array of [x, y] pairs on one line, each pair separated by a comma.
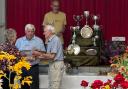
[[119, 64], [119, 82], [9, 62], [98, 84]]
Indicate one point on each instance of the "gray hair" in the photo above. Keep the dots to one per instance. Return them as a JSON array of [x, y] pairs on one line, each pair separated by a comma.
[[30, 26], [10, 33], [50, 28]]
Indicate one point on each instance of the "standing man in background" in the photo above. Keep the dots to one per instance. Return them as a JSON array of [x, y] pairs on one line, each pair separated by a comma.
[[56, 18]]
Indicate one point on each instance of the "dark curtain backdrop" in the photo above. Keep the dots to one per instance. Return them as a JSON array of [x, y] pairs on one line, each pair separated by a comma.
[[113, 15]]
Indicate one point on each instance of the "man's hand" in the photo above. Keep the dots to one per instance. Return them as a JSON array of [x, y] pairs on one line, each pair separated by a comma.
[[36, 53]]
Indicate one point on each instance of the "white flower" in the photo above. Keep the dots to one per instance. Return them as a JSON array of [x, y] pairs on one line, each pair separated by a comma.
[[1, 80]]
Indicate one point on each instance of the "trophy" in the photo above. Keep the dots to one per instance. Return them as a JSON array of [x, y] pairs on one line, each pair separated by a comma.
[[86, 31], [86, 14], [78, 18], [94, 41], [73, 48], [95, 26], [75, 28], [96, 29]]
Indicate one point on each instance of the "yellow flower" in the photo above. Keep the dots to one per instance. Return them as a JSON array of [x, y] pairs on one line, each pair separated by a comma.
[[16, 86], [2, 74], [27, 80], [10, 68], [21, 64], [114, 65], [17, 78], [7, 56], [17, 68], [107, 87]]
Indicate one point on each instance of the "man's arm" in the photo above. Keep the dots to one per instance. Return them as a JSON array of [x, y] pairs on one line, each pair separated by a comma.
[[45, 20], [17, 44], [64, 23], [53, 51], [42, 55], [48, 56]]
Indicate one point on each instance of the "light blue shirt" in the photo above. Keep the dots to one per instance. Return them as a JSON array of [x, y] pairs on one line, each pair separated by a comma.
[[35, 43], [54, 45]]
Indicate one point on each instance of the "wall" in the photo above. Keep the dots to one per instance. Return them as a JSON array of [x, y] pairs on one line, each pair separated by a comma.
[[113, 15], [2, 20]]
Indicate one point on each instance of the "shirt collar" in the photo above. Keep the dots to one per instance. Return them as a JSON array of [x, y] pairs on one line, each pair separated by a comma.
[[51, 38], [27, 39], [55, 13]]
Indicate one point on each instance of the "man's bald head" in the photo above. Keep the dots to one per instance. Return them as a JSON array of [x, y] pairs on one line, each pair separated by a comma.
[[55, 5]]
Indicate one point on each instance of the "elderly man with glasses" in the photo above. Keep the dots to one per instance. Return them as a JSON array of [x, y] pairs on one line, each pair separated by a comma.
[[54, 53]]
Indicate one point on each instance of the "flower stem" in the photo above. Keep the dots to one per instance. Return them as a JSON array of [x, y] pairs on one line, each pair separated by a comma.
[[9, 79]]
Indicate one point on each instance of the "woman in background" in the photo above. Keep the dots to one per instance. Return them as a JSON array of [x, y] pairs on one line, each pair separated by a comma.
[[9, 46]]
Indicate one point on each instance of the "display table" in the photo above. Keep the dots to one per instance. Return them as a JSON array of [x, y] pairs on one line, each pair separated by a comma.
[[72, 81], [83, 59]]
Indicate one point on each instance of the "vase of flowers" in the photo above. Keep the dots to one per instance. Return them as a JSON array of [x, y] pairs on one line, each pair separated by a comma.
[[13, 64]]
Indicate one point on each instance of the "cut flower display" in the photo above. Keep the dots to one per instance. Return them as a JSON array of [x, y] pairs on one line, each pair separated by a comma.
[[13, 64]]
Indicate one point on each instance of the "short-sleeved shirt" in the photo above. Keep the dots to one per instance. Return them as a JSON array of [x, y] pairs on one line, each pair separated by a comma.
[[24, 44], [58, 20], [35, 43], [54, 45]]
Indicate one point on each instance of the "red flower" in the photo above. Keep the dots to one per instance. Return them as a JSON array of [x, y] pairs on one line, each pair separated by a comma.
[[115, 85], [126, 50], [109, 81], [97, 84], [124, 84], [119, 78], [84, 83]]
